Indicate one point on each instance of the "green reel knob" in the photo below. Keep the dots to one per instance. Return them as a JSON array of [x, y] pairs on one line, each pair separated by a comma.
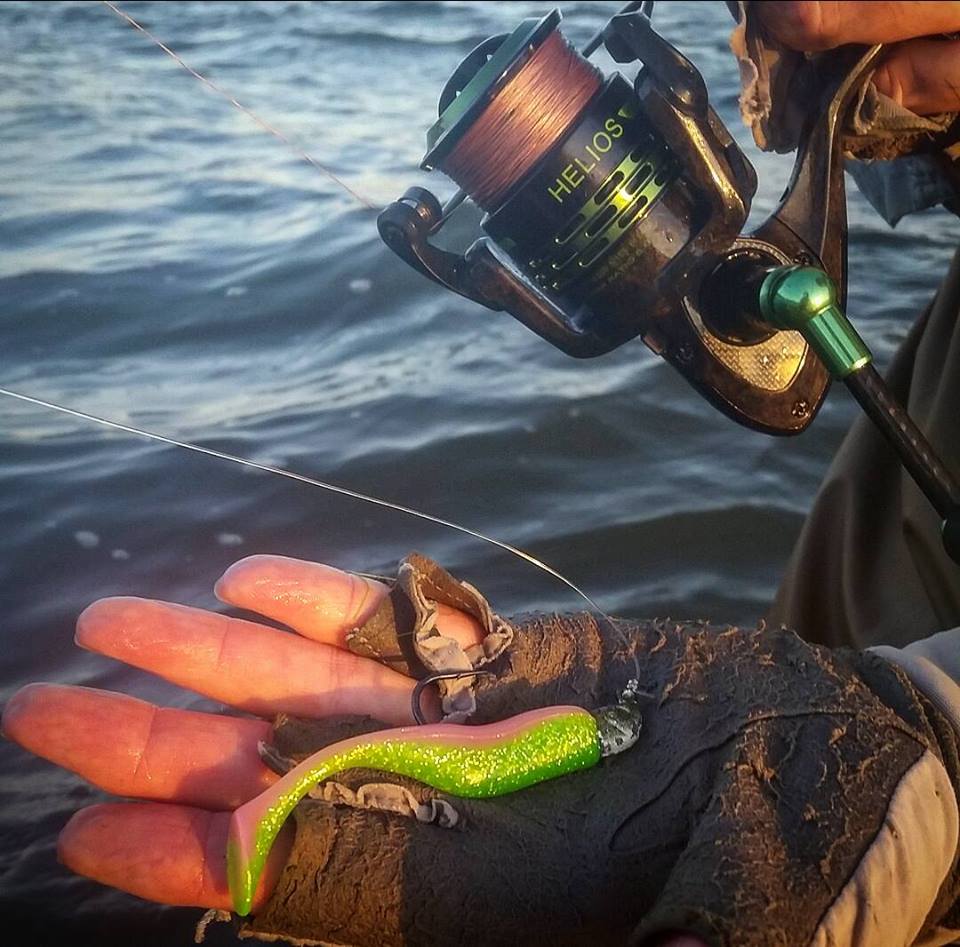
[[805, 299]]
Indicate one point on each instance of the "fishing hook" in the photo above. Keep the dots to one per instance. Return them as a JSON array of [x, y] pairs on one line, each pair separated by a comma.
[[424, 682]]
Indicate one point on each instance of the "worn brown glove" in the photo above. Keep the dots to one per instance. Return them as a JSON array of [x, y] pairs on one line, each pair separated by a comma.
[[908, 109], [780, 793]]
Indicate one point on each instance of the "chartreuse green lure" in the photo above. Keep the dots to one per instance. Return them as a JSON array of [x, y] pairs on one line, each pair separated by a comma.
[[474, 761]]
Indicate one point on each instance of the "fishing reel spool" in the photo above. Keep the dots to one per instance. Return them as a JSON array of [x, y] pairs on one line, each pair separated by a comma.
[[615, 209]]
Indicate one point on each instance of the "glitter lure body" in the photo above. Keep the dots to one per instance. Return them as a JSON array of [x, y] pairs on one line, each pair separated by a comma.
[[473, 761]]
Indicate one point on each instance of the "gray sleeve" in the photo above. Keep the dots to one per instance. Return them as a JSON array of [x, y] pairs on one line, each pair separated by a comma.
[[933, 666], [908, 184]]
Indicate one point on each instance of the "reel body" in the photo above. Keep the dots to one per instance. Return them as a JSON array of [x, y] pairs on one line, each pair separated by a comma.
[[614, 230]]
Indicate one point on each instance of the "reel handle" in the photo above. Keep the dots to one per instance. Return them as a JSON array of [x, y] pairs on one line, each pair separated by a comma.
[[810, 223]]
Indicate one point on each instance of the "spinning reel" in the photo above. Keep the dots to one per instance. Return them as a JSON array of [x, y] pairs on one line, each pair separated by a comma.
[[614, 209]]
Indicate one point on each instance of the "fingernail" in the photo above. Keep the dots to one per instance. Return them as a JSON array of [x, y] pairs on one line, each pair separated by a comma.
[[886, 85], [95, 618], [222, 587], [74, 838]]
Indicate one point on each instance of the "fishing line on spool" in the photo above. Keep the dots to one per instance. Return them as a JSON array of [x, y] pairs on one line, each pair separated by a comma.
[[522, 122]]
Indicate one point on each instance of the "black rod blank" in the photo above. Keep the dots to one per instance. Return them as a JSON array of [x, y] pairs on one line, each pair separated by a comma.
[[914, 450]]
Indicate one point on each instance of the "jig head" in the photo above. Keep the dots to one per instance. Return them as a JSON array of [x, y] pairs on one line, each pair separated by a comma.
[[472, 761]]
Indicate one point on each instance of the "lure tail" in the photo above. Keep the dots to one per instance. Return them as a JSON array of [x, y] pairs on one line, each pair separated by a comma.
[[482, 761]]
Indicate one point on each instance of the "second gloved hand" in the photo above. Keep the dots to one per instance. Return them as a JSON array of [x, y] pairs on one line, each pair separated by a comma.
[[780, 793]]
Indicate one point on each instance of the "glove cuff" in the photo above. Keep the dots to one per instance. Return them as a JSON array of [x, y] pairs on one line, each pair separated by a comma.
[[932, 667]]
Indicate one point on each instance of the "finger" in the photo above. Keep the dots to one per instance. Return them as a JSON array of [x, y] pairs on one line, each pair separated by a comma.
[[922, 75], [811, 26], [165, 853], [129, 747], [318, 601], [258, 669]]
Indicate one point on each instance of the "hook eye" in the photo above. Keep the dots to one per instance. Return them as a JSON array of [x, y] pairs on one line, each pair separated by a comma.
[[424, 682]]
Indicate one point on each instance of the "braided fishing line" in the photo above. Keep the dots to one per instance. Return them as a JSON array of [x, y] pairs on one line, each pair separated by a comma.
[[311, 481], [523, 121], [265, 125]]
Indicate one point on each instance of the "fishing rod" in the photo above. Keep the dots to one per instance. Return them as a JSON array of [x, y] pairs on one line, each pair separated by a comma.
[[614, 209]]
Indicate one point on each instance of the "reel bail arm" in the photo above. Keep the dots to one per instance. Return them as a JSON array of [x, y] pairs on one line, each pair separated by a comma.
[[479, 275]]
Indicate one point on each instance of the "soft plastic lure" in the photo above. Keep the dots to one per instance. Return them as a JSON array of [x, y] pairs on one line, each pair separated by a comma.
[[474, 761]]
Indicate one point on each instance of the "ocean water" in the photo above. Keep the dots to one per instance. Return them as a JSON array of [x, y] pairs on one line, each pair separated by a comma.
[[166, 263]]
